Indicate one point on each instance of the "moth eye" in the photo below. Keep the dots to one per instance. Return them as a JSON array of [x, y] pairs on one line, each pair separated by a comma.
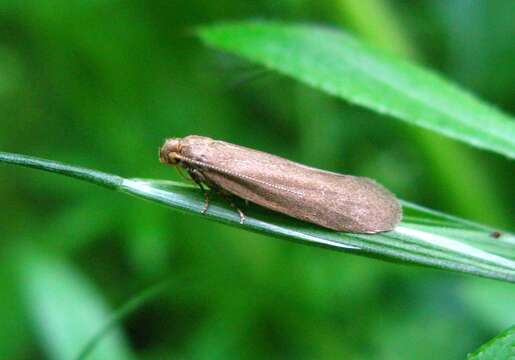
[[172, 158]]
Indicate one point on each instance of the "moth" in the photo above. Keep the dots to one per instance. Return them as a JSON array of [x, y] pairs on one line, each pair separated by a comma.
[[335, 201]]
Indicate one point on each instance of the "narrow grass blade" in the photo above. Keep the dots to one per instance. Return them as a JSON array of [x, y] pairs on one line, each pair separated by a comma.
[[424, 237]]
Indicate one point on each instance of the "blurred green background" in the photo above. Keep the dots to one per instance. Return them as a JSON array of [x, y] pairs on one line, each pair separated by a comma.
[[102, 83]]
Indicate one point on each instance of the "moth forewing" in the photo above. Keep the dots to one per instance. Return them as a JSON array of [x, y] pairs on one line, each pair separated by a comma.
[[338, 202]]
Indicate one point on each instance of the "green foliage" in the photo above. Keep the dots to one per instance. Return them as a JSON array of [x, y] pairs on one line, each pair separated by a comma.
[[118, 316], [500, 347], [66, 308], [340, 65], [102, 83]]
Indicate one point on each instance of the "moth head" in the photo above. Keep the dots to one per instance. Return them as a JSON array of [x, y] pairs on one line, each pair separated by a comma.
[[169, 151]]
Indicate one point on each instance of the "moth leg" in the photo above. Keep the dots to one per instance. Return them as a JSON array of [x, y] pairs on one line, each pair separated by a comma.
[[226, 195], [242, 215], [199, 179], [206, 201]]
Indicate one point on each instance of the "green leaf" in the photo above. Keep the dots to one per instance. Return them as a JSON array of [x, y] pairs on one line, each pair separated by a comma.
[[133, 304], [11, 309], [500, 347], [66, 308], [340, 65], [424, 236]]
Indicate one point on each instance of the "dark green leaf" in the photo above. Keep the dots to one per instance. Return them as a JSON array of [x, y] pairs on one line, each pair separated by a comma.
[[500, 347], [340, 65]]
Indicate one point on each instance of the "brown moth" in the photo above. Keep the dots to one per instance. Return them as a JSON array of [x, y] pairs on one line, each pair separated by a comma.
[[334, 201]]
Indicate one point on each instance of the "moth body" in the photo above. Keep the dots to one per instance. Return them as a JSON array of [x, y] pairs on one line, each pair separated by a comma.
[[335, 201]]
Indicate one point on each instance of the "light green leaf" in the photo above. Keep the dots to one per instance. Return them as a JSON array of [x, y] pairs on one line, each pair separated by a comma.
[[133, 304], [500, 347], [424, 236], [340, 65], [66, 308]]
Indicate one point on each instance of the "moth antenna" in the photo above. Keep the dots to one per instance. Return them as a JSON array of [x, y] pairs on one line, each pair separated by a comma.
[[223, 171]]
